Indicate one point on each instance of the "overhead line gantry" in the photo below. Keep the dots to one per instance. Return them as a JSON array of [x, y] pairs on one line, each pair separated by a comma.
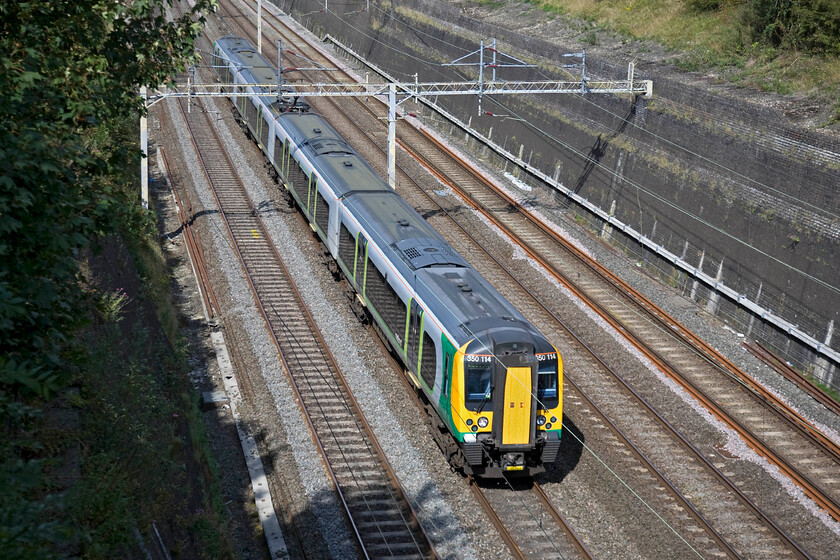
[[398, 92]]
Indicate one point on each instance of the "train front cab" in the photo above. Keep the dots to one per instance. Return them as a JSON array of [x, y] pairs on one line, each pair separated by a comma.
[[507, 407]]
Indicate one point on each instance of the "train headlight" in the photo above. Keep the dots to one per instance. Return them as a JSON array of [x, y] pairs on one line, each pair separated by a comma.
[[483, 421], [553, 419], [540, 420], [548, 426], [469, 422], [474, 428]]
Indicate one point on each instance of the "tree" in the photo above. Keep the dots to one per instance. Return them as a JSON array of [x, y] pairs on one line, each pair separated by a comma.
[[68, 69]]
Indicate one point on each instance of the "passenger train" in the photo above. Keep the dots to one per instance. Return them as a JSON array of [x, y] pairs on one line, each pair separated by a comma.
[[491, 383]]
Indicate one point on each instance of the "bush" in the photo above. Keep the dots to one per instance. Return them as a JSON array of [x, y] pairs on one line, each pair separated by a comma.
[[701, 6], [812, 26]]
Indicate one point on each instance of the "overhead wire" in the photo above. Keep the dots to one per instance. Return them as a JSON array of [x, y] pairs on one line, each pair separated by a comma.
[[667, 202], [664, 139], [627, 485], [639, 187]]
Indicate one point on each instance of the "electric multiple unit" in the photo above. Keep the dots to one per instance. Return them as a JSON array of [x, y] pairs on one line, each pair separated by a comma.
[[492, 384]]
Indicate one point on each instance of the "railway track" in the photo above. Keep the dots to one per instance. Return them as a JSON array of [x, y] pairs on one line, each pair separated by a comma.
[[765, 355], [377, 509], [191, 237], [779, 544], [638, 469], [766, 423], [525, 518]]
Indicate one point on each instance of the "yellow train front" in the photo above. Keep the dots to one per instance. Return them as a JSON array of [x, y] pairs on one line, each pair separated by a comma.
[[506, 401]]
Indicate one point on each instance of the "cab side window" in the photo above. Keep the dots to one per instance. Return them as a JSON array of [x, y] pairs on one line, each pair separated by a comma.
[[547, 396]]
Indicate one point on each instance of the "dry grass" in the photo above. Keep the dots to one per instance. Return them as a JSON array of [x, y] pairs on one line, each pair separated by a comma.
[[671, 23], [711, 40]]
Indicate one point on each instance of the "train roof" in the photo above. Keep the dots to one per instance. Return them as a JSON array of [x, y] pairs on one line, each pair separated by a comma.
[[256, 69], [396, 227], [346, 173], [253, 66], [464, 302]]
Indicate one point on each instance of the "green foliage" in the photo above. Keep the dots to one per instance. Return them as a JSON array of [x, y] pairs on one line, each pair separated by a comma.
[[111, 305], [809, 25], [129, 419], [705, 5], [69, 70], [151, 264]]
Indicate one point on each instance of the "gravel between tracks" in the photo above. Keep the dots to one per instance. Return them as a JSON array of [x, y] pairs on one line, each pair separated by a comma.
[[454, 522], [773, 493], [385, 402]]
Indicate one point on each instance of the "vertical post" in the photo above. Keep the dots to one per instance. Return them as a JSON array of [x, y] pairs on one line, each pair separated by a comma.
[[480, 75], [696, 283], [144, 148], [631, 70], [392, 135], [583, 71], [279, 65], [494, 59], [259, 26]]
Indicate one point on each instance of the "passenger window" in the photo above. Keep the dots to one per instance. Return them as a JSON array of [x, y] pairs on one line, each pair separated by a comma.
[[278, 161], [252, 116], [386, 302], [300, 182], [347, 249], [428, 360], [266, 126], [322, 214]]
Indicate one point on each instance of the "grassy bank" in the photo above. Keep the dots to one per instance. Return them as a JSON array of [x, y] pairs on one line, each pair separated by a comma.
[[742, 41], [118, 461], [125, 451], [144, 465]]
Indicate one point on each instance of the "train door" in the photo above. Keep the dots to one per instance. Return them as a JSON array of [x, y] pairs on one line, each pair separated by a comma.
[[514, 405], [310, 200], [361, 259], [516, 419], [258, 125], [415, 324]]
